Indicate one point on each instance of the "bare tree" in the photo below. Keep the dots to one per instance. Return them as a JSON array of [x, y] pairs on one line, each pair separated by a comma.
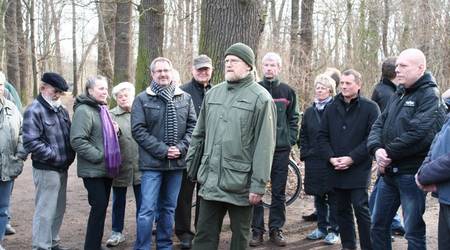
[[12, 53], [106, 28], [227, 22], [306, 41], [294, 66], [151, 36], [123, 39], [56, 18], [74, 49], [22, 47]]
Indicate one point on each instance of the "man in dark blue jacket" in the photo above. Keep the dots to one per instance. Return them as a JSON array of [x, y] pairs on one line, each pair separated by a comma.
[[46, 128], [342, 142], [400, 139]]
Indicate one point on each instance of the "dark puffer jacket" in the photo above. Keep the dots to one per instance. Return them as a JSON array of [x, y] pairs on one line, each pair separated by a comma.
[[317, 171], [408, 125], [383, 92], [148, 117]]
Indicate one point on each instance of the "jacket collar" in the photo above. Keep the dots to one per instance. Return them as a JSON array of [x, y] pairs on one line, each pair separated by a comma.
[[270, 83], [177, 92], [118, 110], [388, 83], [240, 83], [44, 103], [199, 85]]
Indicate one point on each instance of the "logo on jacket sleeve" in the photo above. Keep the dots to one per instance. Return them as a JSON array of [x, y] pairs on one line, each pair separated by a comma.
[[410, 104]]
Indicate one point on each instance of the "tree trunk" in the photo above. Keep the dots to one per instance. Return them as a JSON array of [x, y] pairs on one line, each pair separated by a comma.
[[106, 29], [294, 66], [123, 46], [151, 38], [225, 23], [386, 17], [74, 50], [2, 30], [306, 42], [56, 17], [12, 53], [23, 55], [348, 43], [33, 49]]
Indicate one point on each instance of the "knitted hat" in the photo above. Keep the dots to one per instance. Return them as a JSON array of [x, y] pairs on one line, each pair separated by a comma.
[[242, 51], [55, 80]]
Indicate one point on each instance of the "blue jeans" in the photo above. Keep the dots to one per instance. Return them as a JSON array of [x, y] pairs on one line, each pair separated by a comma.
[[159, 191], [326, 212], [397, 221], [393, 191], [118, 206], [5, 195]]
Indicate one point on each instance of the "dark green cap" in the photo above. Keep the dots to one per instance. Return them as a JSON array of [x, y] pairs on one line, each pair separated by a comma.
[[242, 51]]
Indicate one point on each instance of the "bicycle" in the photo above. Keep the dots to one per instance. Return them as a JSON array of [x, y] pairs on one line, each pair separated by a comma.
[[293, 185]]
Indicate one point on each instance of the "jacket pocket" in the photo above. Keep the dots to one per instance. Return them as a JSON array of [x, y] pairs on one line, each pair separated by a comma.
[[235, 176], [202, 170], [15, 166]]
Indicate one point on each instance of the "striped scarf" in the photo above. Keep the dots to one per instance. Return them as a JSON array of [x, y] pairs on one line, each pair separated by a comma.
[[171, 126]]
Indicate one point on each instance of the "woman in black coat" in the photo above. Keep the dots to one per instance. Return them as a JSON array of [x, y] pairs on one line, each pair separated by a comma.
[[317, 172]]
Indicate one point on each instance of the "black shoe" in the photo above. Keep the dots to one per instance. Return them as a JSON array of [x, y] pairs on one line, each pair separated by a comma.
[[277, 238], [398, 231], [257, 240], [185, 244], [58, 247], [311, 217]]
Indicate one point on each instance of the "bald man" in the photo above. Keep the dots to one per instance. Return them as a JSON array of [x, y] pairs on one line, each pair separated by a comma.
[[400, 139]]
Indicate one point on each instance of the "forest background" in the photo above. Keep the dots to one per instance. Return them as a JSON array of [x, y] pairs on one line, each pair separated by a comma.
[[119, 38]]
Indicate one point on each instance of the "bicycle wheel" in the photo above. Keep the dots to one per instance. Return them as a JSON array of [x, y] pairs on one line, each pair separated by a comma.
[[293, 186]]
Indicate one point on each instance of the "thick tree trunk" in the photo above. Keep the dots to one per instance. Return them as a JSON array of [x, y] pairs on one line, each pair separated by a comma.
[[33, 49], [23, 55], [12, 53], [386, 17], [106, 29], [294, 67], [56, 17], [225, 23], [123, 46], [2, 30], [151, 38], [306, 43]]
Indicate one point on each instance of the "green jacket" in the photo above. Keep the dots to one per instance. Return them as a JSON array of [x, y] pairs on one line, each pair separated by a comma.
[[129, 170], [86, 138], [235, 137], [11, 149]]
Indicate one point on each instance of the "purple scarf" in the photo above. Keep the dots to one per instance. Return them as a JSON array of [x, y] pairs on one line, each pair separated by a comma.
[[113, 160]]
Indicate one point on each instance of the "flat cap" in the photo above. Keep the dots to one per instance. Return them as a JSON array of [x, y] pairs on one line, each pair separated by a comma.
[[202, 61], [55, 80]]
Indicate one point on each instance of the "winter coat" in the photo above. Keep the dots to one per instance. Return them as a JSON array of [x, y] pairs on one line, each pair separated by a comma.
[[86, 138], [317, 171], [148, 117], [287, 112], [235, 137], [383, 91], [46, 135], [129, 173], [407, 127], [12, 152], [197, 92], [343, 132]]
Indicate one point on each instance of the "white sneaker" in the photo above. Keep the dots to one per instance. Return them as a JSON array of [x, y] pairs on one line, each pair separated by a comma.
[[115, 239], [331, 238]]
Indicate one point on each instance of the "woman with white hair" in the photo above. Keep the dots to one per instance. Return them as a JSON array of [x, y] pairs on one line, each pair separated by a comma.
[[12, 153], [129, 174], [317, 172]]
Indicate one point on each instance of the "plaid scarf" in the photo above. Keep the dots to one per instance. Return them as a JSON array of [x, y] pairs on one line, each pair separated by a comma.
[[171, 125]]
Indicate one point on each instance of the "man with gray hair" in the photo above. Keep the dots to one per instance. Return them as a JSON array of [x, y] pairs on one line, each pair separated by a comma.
[[162, 121], [287, 131], [46, 135], [201, 75]]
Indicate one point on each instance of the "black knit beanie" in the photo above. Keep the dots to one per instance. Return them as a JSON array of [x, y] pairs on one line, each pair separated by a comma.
[[242, 51]]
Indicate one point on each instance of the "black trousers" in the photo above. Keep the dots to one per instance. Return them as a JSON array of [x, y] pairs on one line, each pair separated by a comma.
[[98, 190], [183, 213], [357, 201]]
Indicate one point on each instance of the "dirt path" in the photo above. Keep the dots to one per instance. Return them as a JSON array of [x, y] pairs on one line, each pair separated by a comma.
[[74, 225]]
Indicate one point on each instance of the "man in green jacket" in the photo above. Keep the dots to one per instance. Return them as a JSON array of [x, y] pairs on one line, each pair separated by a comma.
[[231, 151]]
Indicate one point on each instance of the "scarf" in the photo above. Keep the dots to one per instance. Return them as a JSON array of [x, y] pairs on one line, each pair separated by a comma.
[[113, 160], [171, 125], [320, 105]]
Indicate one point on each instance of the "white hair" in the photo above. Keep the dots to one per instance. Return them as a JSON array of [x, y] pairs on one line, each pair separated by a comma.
[[272, 56], [2, 78], [123, 86]]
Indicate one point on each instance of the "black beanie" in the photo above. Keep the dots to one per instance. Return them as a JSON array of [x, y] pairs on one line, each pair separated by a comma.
[[242, 51]]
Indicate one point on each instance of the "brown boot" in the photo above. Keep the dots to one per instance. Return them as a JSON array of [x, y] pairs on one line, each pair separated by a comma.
[[257, 240], [277, 238]]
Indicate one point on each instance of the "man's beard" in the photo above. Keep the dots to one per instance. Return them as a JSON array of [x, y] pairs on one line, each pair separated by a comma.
[[233, 76], [54, 104]]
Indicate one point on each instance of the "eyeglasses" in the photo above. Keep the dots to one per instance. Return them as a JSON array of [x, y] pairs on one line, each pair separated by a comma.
[[233, 61], [159, 71]]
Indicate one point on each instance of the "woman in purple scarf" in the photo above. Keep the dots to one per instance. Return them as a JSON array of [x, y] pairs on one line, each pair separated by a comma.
[[93, 136]]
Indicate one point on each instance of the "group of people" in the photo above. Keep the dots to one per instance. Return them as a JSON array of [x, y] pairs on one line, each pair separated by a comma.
[[227, 142]]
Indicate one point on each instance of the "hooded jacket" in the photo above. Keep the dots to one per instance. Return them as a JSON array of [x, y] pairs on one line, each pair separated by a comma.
[[408, 125]]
